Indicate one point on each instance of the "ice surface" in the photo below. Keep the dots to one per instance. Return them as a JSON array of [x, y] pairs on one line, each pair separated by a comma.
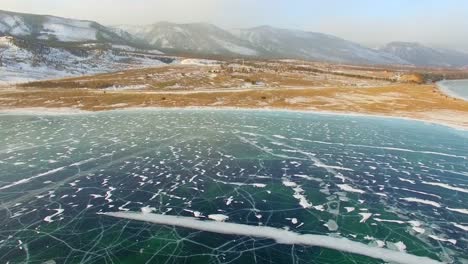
[[279, 170]]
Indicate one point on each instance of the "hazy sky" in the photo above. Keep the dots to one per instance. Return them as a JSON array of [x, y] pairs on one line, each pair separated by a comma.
[[442, 23]]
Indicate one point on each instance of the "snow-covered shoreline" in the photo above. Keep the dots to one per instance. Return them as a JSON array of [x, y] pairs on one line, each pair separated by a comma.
[[75, 111]]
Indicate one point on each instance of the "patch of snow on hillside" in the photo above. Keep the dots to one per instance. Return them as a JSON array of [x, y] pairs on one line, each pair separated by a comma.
[[180, 30], [235, 48], [162, 41], [6, 42], [128, 48], [13, 24], [138, 31], [68, 30], [154, 51], [124, 47], [200, 62]]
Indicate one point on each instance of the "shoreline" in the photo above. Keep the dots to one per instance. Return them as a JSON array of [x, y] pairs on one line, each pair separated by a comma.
[[441, 85], [67, 111]]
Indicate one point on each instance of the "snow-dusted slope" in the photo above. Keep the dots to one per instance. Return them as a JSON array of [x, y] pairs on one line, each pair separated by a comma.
[[67, 30], [50, 28], [198, 38], [21, 61], [420, 55], [287, 43], [262, 41]]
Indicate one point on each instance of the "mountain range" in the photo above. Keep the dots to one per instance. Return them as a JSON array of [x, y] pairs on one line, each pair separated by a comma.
[[208, 39]]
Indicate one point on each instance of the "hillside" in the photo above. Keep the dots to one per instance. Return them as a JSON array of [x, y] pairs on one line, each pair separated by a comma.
[[53, 29], [421, 55], [199, 38], [265, 41], [23, 60], [298, 44]]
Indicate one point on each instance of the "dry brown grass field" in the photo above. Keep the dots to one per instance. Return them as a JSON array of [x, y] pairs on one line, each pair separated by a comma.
[[278, 85]]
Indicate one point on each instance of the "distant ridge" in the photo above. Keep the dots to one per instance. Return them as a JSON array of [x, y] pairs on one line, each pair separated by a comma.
[[208, 39], [421, 55]]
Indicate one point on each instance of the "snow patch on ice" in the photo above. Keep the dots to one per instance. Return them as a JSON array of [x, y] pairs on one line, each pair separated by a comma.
[[49, 218], [446, 186], [279, 235], [365, 217], [348, 188], [458, 210], [421, 201], [218, 217], [453, 241]]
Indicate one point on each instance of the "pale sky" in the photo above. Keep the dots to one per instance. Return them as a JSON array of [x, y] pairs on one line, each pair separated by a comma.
[[441, 23]]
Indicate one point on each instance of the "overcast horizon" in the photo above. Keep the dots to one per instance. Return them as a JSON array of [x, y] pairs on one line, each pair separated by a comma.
[[435, 23]]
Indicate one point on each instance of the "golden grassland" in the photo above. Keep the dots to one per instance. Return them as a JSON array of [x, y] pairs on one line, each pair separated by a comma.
[[232, 74], [405, 100], [289, 85]]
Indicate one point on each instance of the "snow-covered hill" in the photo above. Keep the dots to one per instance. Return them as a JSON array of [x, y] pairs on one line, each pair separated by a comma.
[[297, 44], [200, 38], [57, 29], [421, 55], [21, 60]]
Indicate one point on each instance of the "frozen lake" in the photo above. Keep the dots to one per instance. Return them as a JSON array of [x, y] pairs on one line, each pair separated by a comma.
[[382, 184], [455, 88]]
